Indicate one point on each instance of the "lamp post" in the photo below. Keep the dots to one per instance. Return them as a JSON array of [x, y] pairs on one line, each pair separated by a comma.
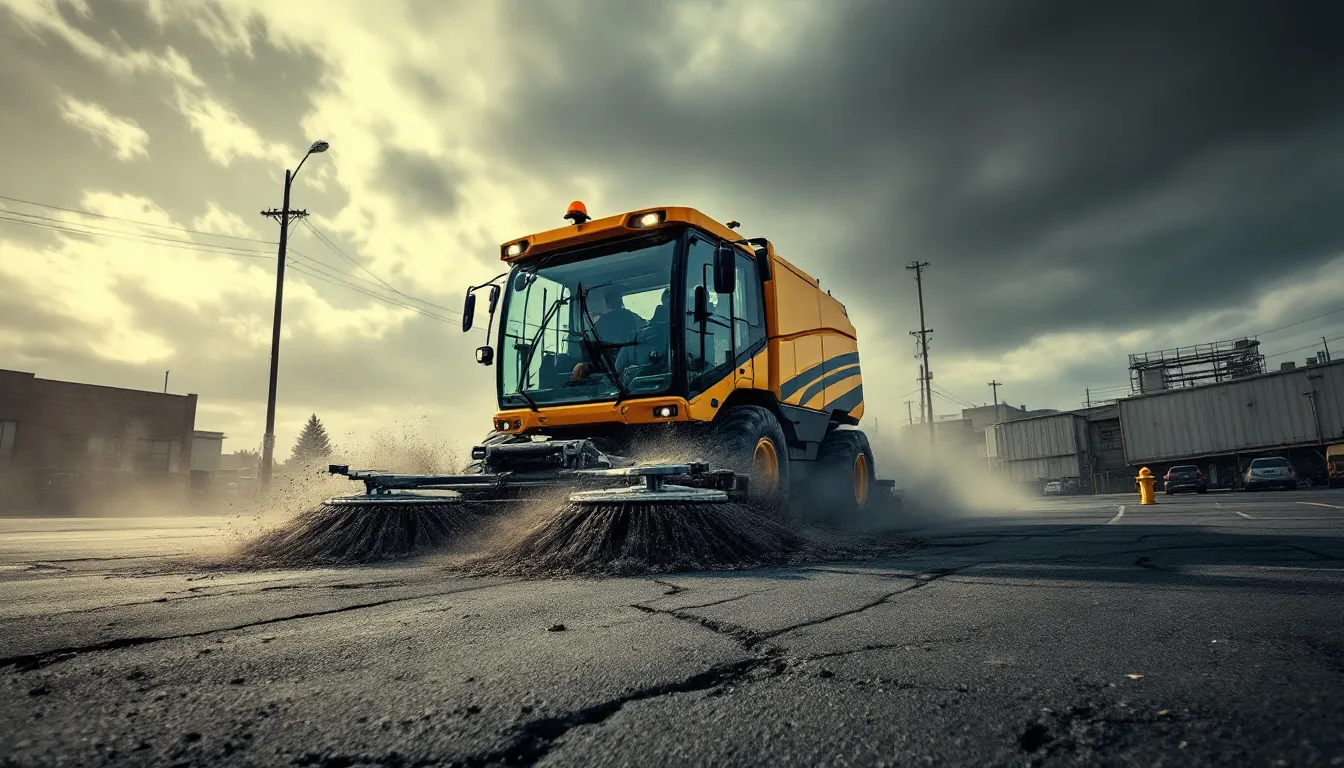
[[268, 440]]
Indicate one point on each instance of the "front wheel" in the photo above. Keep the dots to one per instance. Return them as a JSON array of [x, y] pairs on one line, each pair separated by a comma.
[[749, 440]]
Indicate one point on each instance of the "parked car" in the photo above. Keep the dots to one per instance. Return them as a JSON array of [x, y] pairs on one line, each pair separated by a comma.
[[1053, 488], [1334, 464], [60, 494], [1185, 477], [1270, 472]]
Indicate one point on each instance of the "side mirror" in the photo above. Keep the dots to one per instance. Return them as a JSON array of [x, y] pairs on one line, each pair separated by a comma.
[[468, 311], [485, 355], [700, 310], [494, 298], [725, 268]]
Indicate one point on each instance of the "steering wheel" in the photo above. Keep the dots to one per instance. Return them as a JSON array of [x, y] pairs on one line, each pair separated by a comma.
[[652, 335]]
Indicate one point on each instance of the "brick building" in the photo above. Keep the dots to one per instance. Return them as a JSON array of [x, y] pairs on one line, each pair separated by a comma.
[[51, 427]]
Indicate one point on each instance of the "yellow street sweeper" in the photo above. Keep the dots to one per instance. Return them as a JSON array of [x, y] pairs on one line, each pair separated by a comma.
[[613, 338]]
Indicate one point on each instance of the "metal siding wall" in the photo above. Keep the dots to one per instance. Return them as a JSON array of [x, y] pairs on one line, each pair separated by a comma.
[[1261, 413], [1038, 438], [1041, 469]]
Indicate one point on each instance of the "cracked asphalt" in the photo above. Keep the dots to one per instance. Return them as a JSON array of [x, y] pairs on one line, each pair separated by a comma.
[[1206, 630]]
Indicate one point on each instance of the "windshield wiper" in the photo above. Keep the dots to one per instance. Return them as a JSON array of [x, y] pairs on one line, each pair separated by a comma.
[[531, 350], [621, 394], [528, 399]]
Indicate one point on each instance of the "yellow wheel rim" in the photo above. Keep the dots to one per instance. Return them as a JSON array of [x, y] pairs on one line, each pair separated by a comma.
[[765, 463], [861, 479]]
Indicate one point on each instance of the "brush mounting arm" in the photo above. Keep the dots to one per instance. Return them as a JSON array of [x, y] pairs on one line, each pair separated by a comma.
[[695, 474]]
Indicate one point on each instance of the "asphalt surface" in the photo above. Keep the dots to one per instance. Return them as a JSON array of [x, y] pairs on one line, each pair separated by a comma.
[[1205, 630]]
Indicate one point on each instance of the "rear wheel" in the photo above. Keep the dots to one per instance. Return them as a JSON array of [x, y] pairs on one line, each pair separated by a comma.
[[749, 440], [845, 475]]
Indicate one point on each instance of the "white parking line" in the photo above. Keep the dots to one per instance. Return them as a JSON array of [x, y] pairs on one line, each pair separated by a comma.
[[1320, 504], [1243, 514], [1118, 515]]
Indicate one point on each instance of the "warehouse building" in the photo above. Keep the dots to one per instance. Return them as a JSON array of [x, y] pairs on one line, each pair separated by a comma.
[[1219, 427], [1293, 412], [59, 428], [1083, 449]]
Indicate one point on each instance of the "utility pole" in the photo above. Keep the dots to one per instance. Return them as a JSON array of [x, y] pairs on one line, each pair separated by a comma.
[[165, 382], [283, 216], [994, 387], [909, 414], [1315, 414], [923, 333], [921, 394], [1088, 394], [1327, 348]]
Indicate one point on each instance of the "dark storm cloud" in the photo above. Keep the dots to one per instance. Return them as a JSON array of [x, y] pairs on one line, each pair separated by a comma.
[[1050, 158], [429, 184], [49, 161]]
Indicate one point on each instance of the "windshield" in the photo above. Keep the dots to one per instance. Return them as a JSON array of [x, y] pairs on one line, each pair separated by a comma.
[[589, 325], [1269, 463]]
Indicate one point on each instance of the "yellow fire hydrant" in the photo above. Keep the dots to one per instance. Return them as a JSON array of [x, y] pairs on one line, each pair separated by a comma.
[[1146, 481]]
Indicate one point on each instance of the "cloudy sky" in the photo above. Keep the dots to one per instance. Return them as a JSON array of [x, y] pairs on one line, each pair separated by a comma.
[[1086, 179]]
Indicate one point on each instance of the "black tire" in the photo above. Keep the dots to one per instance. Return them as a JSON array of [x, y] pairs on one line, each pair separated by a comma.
[[1203, 490], [834, 481], [733, 444]]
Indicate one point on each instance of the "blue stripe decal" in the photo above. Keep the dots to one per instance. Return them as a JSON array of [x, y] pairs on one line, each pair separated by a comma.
[[790, 387], [830, 380], [848, 401]]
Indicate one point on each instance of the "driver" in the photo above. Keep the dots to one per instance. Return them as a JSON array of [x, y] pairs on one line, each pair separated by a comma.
[[661, 312], [617, 325]]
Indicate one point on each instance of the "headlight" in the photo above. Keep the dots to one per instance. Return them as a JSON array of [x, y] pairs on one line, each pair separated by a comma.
[[652, 219], [665, 411], [514, 250]]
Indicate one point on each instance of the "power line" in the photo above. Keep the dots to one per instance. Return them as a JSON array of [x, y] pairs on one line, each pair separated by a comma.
[[1299, 349], [67, 223], [340, 252], [316, 269], [338, 275], [952, 398], [377, 286], [1300, 322], [185, 245], [134, 221], [310, 271]]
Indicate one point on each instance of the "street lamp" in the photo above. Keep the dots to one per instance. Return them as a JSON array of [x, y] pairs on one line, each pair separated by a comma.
[[268, 440]]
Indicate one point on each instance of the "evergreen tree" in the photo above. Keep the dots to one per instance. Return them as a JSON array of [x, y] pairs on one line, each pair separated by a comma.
[[246, 460], [313, 442]]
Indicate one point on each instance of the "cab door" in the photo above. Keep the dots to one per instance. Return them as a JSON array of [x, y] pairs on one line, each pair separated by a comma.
[[749, 336]]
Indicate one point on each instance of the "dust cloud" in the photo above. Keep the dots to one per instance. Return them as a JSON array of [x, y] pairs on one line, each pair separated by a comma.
[[296, 491], [940, 482]]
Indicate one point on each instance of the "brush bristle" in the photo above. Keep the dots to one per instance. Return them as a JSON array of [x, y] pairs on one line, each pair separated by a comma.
[[341, 534], [640, 537]]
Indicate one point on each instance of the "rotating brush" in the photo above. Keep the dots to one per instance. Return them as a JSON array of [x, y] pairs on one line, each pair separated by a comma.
[[365, 528], [651, 528]]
